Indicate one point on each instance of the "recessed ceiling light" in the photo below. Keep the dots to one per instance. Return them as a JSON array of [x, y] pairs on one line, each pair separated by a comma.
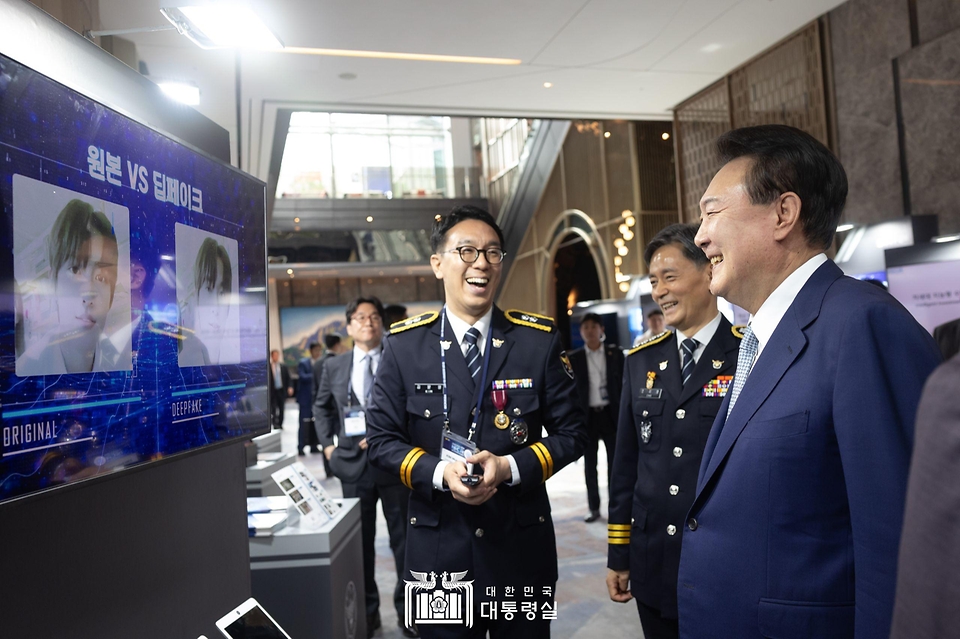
[[547, 85], [713, 47], [347, 76], [289, 271], [606, 134], [369, 218], [296, 220], [665, 136]]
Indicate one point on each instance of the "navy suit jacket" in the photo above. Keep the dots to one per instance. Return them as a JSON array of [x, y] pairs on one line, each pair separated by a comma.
[[796, 523]]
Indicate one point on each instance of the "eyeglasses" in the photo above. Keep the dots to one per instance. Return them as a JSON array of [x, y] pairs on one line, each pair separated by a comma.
[[471, 254], [362, 319]]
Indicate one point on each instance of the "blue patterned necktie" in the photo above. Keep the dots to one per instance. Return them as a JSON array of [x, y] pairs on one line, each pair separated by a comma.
[[748, 353], [687, 364], [473, 351]]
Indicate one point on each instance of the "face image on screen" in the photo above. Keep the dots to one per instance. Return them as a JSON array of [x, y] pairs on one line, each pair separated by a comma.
[[71, 263], [206, 281], [254, 624], [122, 251]]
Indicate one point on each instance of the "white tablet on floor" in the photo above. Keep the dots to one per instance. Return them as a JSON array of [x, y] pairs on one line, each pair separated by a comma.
[[250, 621]]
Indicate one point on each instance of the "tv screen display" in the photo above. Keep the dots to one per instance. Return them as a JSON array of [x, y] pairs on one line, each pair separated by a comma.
[[132, 291], [930, 291]]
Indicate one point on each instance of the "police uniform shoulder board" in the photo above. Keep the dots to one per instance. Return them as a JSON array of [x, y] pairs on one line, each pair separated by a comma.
[[656, 339], [523, 318], [419, 320], [738, 330]]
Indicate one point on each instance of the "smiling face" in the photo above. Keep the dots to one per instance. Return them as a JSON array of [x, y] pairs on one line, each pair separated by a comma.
[[739, 238], [213, 300], [85, 285], [682, 290], [469, 288], [365, 326]]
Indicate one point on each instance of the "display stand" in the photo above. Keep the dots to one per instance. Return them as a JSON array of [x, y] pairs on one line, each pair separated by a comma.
[[259, 481], [268, 442], [311, 581]]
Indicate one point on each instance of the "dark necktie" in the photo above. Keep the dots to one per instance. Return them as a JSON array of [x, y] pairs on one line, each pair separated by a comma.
[[748, 352], [687, 364], [367, 378], [473, 352]]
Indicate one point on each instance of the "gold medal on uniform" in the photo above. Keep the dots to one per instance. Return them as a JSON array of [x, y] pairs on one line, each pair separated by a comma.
[[717, 364], [651, 376], [499, 397]]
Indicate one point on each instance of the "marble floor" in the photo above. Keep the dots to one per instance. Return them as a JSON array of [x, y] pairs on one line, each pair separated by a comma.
[[583, 607]]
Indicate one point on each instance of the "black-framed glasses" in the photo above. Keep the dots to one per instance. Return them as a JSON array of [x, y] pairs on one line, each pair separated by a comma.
[[361, 319], [471, 254]]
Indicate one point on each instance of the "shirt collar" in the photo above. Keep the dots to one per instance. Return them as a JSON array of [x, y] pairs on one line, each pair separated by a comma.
[[359, 354], [460, 327], [768, 317], [704, 335]]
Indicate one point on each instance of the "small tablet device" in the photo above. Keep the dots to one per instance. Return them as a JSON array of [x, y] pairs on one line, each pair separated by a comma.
[[250, 621], [470, 480]]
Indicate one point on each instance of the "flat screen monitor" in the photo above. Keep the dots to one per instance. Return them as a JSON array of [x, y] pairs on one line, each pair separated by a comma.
[[132, 292], [925, 278]]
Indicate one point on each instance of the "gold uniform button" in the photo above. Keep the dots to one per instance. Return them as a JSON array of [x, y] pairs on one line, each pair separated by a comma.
[[479, 532], [671, 530], [674, 489], [426, 413], [413, 521], [681, 413], [677, 451]]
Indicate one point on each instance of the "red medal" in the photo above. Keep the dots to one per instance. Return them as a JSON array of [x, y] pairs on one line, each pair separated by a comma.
[[499, 397]]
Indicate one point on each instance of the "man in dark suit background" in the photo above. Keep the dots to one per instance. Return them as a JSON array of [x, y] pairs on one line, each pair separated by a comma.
[[947, 337], [280, 388], [796, 522], [307, 436], [598, 372], [340, 411], [928, 577], [673, 386]]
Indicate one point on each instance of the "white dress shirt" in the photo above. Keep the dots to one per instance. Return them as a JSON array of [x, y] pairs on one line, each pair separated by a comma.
[[768, 317], [596, 375], [703, 337]]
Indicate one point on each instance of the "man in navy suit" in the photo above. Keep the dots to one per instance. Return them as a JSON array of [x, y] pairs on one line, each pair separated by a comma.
[[796, 522], [307, 436]]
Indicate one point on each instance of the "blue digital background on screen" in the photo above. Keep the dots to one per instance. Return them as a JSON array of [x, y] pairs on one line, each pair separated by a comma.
[[133, 299]]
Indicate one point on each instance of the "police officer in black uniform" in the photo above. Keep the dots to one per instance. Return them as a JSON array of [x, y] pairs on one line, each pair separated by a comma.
[[474, 381], [673, 386]]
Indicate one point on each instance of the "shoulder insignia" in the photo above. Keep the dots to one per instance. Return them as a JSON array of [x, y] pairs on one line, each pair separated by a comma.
[[656, 339], [413, 322], [738, 330], [523, 318]]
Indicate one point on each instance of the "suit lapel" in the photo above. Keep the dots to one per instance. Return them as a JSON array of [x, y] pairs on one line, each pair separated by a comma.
[[786, 344]]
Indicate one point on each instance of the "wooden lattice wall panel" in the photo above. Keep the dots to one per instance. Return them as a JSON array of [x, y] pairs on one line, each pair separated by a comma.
[[698, 123]]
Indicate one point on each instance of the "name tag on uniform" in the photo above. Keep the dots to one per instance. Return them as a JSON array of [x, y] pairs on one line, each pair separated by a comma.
[[454, 448], [428, 389], [650, 393], [354, 422]]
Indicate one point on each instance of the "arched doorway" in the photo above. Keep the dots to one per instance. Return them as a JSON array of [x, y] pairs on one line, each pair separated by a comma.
[[575, 278]]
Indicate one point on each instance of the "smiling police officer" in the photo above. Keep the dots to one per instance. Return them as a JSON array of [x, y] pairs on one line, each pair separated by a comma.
[[458, 408]]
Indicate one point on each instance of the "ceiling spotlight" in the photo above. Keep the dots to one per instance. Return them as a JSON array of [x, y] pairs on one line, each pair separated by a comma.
[[617, 261], [569, 311], [289, 271], [665, 136], [628, 235], [369, 218], [606, 134], [547, 85], [627, 213], [623, 229], [296, 220]]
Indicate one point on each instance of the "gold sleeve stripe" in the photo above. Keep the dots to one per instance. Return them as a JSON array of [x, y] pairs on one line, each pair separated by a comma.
[[406, 468], [618, 527], [543, 462], [619, 533], [618, 542], [546, 459]]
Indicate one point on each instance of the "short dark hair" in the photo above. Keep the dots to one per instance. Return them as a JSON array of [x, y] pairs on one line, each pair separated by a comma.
[[313, 345], [210, 254], [655, 311], [352, 306], [591, 317], [331, 340], [444, 223], [73, 228], [788, 159], [394, 313], [683, 235]]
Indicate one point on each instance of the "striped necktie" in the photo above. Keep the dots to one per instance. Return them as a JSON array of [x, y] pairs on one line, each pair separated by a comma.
[[473, 351], [748, 353], [687, 347]]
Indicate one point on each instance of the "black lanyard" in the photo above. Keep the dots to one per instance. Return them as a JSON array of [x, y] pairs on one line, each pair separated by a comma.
[[480, 386]]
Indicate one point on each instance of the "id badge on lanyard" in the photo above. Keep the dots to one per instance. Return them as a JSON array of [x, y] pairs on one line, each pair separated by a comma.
[[354, 422], [455, 448]]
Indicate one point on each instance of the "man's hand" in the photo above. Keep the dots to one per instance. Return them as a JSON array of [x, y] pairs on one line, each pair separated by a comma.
[[363, 444], [328, 452], [496, 470], [617, 581], [472, 495]]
